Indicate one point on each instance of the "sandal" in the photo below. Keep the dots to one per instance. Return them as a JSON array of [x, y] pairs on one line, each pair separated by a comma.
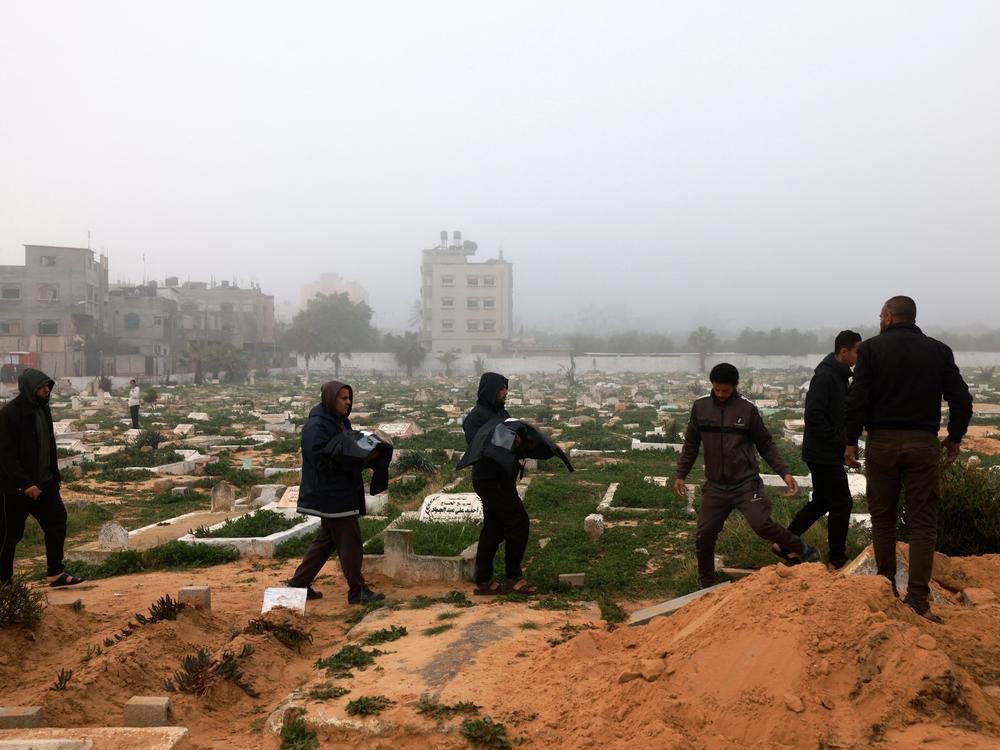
[[789, 557], [525, 589], [488, 589], [65, 579]]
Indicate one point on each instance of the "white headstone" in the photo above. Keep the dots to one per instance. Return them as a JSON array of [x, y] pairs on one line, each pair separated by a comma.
[[184, 430], [223, 497], [100, 397], [198, 416], [289, 598], [453, 507], [594, 526], [112, 536], [376, 505], [75, 403]]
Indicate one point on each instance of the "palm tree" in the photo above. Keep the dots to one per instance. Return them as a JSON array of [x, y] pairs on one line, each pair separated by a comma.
[[447, 359]]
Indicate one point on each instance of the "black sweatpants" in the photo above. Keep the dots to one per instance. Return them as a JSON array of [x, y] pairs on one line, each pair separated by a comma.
[[750, 500], [504, 520], [344, 536], [832, 495], [134, 412], [50, 513]]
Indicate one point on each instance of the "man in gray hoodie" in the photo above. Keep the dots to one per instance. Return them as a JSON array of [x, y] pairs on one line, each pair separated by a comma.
[[29, 477]]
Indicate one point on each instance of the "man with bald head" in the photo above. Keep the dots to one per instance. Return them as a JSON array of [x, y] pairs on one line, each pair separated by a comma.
[[899, 381]]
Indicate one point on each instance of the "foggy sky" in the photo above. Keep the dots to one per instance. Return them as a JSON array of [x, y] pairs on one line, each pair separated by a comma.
[[661, 164]]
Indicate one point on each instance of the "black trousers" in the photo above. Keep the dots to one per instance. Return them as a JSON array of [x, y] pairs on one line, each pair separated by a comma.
[[504, 520], [832, 495], [342, 535], [750, 500], [50, 513], [134, 411]]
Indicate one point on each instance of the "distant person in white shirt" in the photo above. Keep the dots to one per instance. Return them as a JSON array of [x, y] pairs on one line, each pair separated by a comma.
[[133, 403]]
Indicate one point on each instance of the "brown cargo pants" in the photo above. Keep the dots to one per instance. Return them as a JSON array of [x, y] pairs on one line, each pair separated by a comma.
[[909, 460], [750, 500]]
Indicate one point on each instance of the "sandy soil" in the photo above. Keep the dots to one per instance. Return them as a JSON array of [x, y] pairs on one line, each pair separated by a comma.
[[786, 658]]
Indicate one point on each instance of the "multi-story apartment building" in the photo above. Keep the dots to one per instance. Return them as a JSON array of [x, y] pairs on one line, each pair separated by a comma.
[[142, 325], [465, 306], [332, 283], [53, 305], [224, 313]]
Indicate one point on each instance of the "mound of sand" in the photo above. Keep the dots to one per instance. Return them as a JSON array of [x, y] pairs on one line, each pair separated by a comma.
[[787, 658]]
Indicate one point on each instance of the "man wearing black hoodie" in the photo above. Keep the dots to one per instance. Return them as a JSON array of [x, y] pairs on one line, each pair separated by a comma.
[[504, 517], [823, 445], [29, 477]]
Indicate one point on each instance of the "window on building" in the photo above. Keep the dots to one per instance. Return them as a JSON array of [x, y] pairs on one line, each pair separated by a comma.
[[489, 303], [489, 325], [489, 281], [472, 280], [447, 302], [226, 307], [47, 260], [447, 280], [472, 303], [131, 320], [157, 321], [10, 327], [48, 328], [48, 292], [10, 292], [447, 325], [472, 325]]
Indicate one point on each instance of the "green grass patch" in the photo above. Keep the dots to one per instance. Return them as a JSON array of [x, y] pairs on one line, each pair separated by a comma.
[[454, 598], [437, 629], [260, 523], [349, 657], [441, 712], [369, 705], [327, 691], [295, 734], [485, 732], [385, 635], [172, 555], [441, 539], [20, 604]]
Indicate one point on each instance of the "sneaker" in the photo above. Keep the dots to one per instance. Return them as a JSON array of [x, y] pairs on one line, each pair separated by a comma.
[[367, 596], [922, 608], [810, 554], [312, 593]]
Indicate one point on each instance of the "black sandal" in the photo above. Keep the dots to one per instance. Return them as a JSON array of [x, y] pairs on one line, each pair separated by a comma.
[[65, 579], [488, 589], [789, 557], [526, 589]]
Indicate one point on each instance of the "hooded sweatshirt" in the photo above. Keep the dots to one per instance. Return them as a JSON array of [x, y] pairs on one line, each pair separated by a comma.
[[327, 489], [825, 434], [486, 410], [27, 444]]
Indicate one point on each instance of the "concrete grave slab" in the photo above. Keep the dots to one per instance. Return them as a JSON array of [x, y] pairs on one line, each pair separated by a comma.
[[112, 536], [642, 616], [21, 717], [95, 738], [148, 711], [289, 598], [199, 597], [864, 565]]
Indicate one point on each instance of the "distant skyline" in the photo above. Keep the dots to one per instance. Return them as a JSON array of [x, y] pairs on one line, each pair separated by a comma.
[[657, 165]]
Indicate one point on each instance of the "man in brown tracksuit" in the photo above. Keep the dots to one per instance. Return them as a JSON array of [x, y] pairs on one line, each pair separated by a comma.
[[899, 380], [730, 427]]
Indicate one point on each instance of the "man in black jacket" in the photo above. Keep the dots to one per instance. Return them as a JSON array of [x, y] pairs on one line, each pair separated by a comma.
[[504, 517], [732, 432], [899, 380], [29, 472], [823, 445]]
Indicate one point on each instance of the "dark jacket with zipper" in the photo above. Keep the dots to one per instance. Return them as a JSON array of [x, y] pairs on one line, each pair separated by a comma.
[[328, 488], [27, 444], [730, 431], [898, 384], [825, 436], [486, 410]]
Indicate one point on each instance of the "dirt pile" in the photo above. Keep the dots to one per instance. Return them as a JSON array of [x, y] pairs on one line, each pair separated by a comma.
[[788, 658]]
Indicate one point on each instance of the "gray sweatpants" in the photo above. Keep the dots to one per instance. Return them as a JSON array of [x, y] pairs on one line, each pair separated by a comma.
[[750, 500]]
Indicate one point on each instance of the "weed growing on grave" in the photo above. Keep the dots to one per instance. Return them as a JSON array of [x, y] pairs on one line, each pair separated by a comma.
[[567, 632], [441, 712], [327, 691], [554, 604], [448, 615], [455, 598], [92, 651], [385, 635], [172, 555], [354, 616], [257, 524], [148, 438], [164, 608], [200, 671], [62, 679], [19, 604], [414, 461], [437, 629], [349, 657], [295, 735], [485, 732], [285, 633], [444, 539], [529, 625], [369, 705]]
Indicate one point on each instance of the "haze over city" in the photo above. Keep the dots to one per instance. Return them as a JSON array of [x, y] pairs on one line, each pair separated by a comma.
[[650, 165]]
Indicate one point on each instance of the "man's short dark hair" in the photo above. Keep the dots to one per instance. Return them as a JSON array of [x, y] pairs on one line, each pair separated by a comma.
[[724, 374], [902, 308], [846, 340]]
